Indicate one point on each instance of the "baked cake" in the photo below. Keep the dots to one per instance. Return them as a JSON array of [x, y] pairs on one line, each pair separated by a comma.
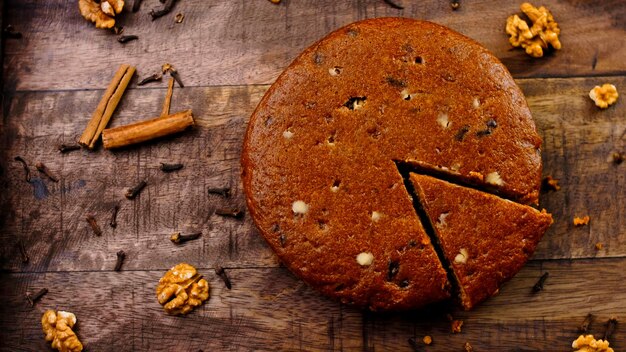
[[320, 155], [485, 239]]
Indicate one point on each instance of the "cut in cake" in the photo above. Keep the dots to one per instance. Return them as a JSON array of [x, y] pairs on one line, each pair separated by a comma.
[[319, 156], [485, 239]]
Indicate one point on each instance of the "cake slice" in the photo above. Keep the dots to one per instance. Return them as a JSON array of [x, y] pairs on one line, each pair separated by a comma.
[[485, 239]]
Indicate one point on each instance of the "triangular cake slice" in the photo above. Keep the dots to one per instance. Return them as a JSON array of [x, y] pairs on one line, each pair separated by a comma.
[[485, 239]]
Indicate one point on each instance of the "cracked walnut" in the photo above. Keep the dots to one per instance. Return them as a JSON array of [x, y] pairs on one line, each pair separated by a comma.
[[182, 289], [534, 39], [57, 325]]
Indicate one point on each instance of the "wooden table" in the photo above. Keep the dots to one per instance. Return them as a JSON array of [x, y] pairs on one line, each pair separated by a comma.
[[227, 53]]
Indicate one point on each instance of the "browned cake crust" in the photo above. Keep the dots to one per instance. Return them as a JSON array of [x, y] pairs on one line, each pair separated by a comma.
[[324, 139], [485, 239]]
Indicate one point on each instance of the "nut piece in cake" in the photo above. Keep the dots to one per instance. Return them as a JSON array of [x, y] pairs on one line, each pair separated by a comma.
[[376, 216], [299, 207], [587, 343], [604, 95], [182, 289], [365, 259], [57, 325], [536, 38], [494, 179], [101, 13], [461, 258]]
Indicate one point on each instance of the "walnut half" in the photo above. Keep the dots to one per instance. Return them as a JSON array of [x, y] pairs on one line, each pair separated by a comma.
[[57, 325], [536, 38], [102, 13], [587, 343], [604, 95], [182, 289]]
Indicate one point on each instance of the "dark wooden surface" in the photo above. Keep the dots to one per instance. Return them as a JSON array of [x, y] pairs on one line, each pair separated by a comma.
[[227, 52]]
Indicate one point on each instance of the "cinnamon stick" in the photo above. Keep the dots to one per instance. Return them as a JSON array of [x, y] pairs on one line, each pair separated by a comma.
[[168, 97], [146, 130], [106, 107]]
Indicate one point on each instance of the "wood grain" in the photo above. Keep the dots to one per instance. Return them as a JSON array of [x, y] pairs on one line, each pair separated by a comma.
[[269, 310], [49, 217], [251, 42]]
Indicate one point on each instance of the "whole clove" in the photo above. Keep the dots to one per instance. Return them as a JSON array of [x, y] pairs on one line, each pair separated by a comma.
[[113, 222], [10, 32], [178, 238], [136, 5], [23, 253], [219, 271], [224, 192], [539, 285], [455, 4], [393, 4], [91, 220], [584, 327], [179, 18], [66, 148], [152, 78], [133, 192], [25, 166], [121, 255], [230, 212], [413, 343], [170, 167], [32, 299], [127, 38], [167, 7], [611, 325], [617, 158], [41, 167], [168, 68]]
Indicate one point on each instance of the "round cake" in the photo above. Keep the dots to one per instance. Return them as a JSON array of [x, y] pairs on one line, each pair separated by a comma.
[[324, 150]]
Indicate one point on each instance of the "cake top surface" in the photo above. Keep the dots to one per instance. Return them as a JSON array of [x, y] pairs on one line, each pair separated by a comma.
[[320, 153]]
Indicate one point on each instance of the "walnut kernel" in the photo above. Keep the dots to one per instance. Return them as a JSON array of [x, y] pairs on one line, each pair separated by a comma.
[[365, 258], [182, 289], [443, 121], [581, 221], [287, 134], [102, 13], [535, 39], [587, 343], [604, 96], [57, 325], [427, 340], [376, 216]]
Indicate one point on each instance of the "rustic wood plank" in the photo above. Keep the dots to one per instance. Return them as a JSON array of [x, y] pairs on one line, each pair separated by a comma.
[[269, 310], [251, 42], [50, 217]]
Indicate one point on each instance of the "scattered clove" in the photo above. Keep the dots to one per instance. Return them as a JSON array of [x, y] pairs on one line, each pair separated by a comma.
[[136, 5], [152, 78], [10, 32], [468, 347], [23, 253], [170, 167], [455, 4], [25, 166], [179, 18], [133, 192], [167, 7], [584, 327], [66, 148], [224, 192], [32, 299], [94, 225], [41, 167], [127, 38], [393, 4], [413, 344], [539, 285], [610, 328], [177, 238], [230, 212], [617, 158], [219, 271], [113, 222], [121, 255], [168, 68]]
